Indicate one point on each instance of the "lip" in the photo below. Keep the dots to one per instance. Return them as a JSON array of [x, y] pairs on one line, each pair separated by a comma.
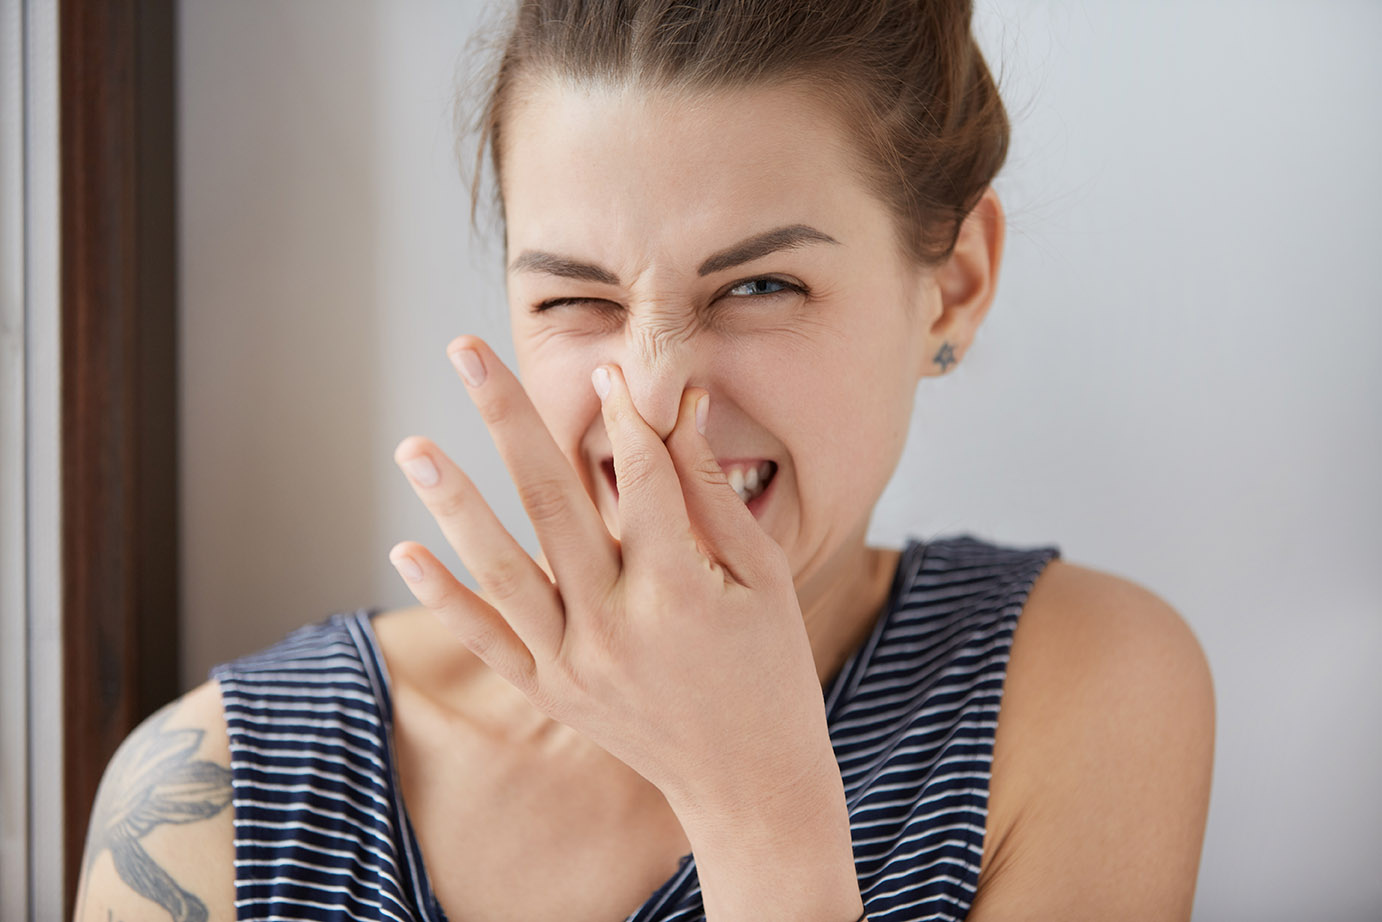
[[755, 505]]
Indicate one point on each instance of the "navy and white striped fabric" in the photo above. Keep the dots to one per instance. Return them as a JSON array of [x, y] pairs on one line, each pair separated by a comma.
[[321, 833]]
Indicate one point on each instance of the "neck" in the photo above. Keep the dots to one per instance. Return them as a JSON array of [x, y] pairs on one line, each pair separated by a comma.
[[841, 600]]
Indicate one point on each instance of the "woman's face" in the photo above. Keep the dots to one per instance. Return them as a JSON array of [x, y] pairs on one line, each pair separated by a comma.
[[720, 241]]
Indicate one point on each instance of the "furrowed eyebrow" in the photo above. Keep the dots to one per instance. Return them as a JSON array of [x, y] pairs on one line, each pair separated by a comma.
[[747, 250], [552, 264], [760, 245]]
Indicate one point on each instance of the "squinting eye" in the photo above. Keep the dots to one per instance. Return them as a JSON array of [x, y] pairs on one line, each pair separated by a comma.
[[761, 287], [571, 302]]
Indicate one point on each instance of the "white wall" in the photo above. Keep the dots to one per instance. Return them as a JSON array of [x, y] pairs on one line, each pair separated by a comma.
[[1180, 381]]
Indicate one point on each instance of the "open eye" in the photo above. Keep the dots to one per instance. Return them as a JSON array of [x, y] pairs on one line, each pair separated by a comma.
[[762, 287]]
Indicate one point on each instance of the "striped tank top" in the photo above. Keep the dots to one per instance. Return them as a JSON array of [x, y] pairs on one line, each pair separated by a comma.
[[321, 831]]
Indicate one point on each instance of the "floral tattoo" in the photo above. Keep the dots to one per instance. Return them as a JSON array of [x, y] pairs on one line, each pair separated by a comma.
[[153, 781]]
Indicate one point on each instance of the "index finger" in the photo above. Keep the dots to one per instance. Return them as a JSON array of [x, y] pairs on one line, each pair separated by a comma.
[[569, 528], [652, 509]]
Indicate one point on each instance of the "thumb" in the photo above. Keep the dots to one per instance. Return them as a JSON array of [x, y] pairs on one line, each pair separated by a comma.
[[718, 517]]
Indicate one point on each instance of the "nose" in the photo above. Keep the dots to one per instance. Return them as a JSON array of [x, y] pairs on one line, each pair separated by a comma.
[[658, 365]]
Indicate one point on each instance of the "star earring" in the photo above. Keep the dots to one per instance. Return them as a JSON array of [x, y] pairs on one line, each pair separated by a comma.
[[945, 357]]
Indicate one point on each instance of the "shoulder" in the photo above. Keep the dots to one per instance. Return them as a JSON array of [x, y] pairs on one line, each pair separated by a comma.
[[1100, 629], [1102, 757], [161, 839]]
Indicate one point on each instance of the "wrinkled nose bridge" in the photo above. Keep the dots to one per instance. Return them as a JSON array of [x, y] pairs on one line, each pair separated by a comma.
[[658, 363]]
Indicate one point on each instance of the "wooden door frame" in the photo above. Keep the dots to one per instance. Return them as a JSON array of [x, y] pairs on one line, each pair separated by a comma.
[[119, 386]]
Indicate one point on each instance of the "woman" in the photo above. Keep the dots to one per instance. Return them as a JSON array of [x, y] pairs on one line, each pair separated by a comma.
[[738, 235]]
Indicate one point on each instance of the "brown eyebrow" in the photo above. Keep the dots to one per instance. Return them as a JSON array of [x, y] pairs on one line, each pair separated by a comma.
[[552, 264], [760, 245], [747, 250]]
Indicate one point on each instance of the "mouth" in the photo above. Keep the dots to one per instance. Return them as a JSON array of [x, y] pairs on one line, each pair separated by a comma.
[[750, 479]]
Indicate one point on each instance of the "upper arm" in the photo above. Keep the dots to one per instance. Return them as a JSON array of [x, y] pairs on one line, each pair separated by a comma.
[[161, 840], [1102, 758]]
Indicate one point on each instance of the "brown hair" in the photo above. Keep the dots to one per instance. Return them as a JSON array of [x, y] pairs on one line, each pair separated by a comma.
[[906, 76]]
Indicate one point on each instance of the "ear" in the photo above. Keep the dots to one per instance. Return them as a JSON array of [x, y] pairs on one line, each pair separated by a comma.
[[964, 286]]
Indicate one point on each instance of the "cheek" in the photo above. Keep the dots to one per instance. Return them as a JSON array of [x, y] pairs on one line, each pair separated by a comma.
[[842, 406], [847, 383], [557, 381]]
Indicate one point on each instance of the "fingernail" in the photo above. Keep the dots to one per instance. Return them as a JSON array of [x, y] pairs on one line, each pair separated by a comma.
[[407, 567], [600, 378], [422, 470], [468, 364], [702, 412]]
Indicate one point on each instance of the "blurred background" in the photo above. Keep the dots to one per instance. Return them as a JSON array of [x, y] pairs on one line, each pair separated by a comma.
[[1179, 382]]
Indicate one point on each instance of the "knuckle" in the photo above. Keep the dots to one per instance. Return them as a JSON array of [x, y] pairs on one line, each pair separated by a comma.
[[451, 504], [525, 679], [573, 678], [448, 596], [623, 414], [709, 471], [483, 640], [636, 467], [646, 595], [435, 597], [496, 410], [541, 696], [545, 500], [503, 580]]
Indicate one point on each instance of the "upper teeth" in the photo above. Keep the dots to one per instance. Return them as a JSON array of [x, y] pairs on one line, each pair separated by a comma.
[[749, 480]]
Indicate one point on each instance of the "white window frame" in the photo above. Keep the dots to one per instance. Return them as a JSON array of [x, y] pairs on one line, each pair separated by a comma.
[[31, 796]]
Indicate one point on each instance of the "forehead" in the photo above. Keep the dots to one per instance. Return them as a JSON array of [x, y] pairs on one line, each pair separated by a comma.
[[601, 167]]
